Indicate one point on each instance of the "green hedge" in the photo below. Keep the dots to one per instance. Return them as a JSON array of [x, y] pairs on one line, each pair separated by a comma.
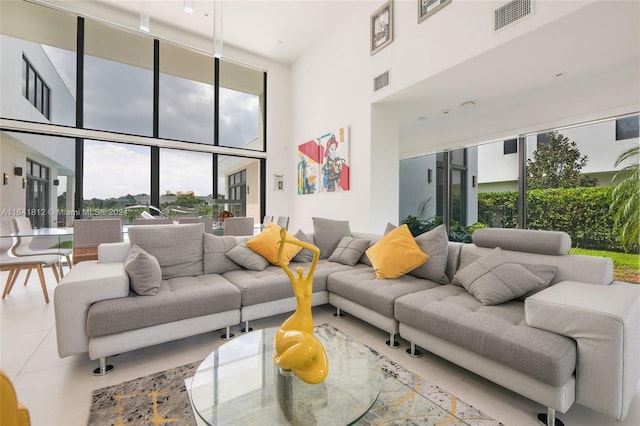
[[583, 213]]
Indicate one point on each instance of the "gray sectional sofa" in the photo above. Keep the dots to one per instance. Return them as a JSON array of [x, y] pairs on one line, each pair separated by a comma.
[[570, 337]]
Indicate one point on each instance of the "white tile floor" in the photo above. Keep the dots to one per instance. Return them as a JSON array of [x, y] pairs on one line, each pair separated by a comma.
[[57, 391]]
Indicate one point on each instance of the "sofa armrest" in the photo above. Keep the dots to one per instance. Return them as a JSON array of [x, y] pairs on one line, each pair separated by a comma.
[[113, 252], [88, 282], [605, 323]]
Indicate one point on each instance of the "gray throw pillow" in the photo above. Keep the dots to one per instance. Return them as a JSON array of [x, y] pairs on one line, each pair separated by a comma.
[[365, 259], [144, 272], [349, 251], [178, 248], [327, 233], [546, 272], [215, 258], [494, 278], [247, 258], [435, 244], [304, 255]]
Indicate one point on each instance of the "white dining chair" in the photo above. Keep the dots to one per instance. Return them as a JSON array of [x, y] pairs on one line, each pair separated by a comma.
[[25, 238], [14, 264]]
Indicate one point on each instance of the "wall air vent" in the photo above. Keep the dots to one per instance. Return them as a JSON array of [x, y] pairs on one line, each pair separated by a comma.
[[381, 81], [511, 12]]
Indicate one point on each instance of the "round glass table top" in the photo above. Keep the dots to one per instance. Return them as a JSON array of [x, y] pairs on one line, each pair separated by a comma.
[[238, 384]]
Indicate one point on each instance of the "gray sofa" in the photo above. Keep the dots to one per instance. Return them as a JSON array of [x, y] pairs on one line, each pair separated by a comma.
[[574, 338]]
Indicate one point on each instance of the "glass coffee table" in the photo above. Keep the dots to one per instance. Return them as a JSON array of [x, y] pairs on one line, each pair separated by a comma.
[[238, 384]]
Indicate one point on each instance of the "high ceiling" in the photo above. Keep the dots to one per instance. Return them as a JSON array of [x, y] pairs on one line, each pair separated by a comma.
[[525, 82], [277, 29]]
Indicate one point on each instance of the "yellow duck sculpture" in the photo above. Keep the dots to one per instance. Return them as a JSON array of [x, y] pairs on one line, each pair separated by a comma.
[[296, 347]]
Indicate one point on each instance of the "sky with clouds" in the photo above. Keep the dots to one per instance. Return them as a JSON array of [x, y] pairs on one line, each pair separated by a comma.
[[118, 97]]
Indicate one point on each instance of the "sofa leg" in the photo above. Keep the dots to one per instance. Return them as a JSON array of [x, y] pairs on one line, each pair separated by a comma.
[[227, 334], [246, 327], [413, 352], [549, 418], [392, 341], [338, 313], [104, 368]]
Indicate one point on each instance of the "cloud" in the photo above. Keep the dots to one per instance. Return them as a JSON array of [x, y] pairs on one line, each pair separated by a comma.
[[186, 171], [114, 170]]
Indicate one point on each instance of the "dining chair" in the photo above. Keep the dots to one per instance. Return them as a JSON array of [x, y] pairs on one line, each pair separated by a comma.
[[16, 264], [12, 412], [208, 222], [158, 221], [24, 239], [283, 221], [88, 234], [267, 220], [238, 226]]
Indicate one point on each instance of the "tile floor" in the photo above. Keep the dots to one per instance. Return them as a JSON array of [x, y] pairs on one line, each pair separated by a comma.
[[57, 391]]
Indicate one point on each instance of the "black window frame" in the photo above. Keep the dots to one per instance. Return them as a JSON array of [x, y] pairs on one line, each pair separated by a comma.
[[41, 96]]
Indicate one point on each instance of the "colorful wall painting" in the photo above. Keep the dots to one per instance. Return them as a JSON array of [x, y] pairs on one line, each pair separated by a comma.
[[323, 163]]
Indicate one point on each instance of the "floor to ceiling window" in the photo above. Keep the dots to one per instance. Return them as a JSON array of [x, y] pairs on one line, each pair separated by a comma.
[[118, 81], [165, 134], [239, 186], [186, 183], [241, 115], [186, 98], [560, 179]]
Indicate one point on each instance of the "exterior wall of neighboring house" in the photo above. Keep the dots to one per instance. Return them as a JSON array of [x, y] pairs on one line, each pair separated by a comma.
[[498, 171], [16, 148]]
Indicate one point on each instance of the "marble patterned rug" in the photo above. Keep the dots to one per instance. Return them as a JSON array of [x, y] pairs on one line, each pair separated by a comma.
[[162, 399]]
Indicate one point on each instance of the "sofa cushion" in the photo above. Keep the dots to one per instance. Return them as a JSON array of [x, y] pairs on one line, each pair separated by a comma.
[[395, 254], [247, 258], [273, 284], [498, 332], [179, 298], [178, 248], [349, 251], [327, 234], [435, 243], [304, 255], [494, 278], [267, 244], [526, 240], [362, 286], [216, 260], [144, 271]]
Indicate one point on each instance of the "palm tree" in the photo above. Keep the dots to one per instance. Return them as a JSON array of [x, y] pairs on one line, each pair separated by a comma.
[[626, 199]]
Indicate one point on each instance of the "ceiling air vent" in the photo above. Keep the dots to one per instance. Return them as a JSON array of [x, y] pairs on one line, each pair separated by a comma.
[[511, 12], [381, 81]]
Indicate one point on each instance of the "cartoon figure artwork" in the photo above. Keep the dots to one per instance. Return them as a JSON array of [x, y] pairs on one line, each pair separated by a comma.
[[323, 163], [332, 167]]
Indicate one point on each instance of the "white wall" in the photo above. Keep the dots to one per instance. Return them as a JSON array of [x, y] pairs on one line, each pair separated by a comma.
[[329, 91], [332, 87]]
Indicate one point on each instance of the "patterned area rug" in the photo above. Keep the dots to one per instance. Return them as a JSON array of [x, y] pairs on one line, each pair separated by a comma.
[[162, 399]]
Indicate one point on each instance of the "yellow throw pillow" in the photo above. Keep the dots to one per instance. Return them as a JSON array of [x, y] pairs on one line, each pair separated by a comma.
[[267, 244], [395, 254]]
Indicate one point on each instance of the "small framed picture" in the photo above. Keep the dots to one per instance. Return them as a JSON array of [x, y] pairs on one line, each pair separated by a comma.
[[427, 8], [278, 182], [382, 27]]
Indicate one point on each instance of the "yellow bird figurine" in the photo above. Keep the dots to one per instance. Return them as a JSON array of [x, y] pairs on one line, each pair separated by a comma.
[[296, 346]]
